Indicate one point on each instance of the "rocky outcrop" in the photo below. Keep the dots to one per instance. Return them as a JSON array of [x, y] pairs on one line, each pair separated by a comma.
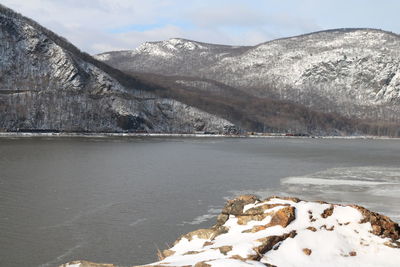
[[286, 232], [46, 83]]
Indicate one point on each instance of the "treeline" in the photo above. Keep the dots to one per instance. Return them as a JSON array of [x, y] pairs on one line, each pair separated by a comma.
[[250, 112], [262, 114]]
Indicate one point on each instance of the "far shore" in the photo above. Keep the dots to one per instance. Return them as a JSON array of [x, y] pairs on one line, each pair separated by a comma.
[[180, 135]]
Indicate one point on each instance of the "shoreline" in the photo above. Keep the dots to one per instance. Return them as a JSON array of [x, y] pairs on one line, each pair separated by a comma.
[[177, 135]]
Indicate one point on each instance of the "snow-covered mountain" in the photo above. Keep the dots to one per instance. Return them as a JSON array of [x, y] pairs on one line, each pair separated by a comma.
[[171, 57], [353, 72], [334, 82], [48, 84]]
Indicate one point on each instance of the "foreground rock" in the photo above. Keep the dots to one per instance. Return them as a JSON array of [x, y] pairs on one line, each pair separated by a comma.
[[286, 232]]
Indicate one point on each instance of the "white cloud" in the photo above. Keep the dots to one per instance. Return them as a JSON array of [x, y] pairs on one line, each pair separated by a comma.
[[132, 39], [89, 24], [99, 25]]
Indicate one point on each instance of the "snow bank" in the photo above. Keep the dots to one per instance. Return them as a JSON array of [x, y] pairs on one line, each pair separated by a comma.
[[289, 232]]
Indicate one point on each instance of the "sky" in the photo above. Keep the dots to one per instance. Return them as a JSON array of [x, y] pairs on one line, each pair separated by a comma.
[[97, 26]]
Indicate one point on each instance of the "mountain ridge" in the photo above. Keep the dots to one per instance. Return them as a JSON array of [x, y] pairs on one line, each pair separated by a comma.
[[49, 84], [258, 44], [353, 72], [183, 86]]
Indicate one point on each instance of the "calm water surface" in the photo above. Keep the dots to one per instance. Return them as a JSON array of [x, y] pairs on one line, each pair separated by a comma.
[[118, 200]]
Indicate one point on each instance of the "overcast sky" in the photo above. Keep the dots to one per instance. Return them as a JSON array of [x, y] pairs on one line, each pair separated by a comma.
[[103, 25]]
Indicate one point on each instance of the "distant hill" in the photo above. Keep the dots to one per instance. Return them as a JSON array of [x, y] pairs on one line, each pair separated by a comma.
[[343, 81]]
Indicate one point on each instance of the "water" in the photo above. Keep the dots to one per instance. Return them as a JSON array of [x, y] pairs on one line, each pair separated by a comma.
[[118, 200]]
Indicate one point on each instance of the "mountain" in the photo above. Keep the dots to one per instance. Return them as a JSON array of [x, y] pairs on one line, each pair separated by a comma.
[[348, 73], [48, 84]]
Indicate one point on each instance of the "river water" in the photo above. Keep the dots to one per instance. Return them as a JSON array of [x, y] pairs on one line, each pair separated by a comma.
[[118, 200]]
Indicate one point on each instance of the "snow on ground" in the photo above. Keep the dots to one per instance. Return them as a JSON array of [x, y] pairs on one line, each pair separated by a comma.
[[73, 265], [269, 232], [374, 187]]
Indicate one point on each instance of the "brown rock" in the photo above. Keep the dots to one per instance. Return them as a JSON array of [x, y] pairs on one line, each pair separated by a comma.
[[262, 208], [267, 243], [237, 257], [392, 244], [326, 228], [191, 252], [327, 212], [235, 206], [202, 264], [221, 219], [209, 233], [353, 253], [312, 229], [225, 249], [381, 225], [167, 253], [376, 229], [283, 217], [307, 251], [244, 219], [208, 243], [255, 229], [311, 217]]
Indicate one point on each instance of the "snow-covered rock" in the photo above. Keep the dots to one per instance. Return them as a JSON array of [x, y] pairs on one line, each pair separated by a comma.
[[287, 232]]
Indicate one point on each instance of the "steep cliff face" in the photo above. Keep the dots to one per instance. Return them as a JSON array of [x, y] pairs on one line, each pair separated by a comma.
[[354, 72], [284, 232], [47, 83]]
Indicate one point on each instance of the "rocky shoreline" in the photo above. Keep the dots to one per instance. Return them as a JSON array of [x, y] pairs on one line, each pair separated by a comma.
[[176, 135], [285, 232]]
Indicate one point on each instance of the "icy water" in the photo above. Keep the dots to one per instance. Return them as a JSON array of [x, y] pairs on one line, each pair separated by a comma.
[[118, 200]]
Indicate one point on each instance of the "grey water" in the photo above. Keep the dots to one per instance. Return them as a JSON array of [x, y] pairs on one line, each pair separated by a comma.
[[118, 200]]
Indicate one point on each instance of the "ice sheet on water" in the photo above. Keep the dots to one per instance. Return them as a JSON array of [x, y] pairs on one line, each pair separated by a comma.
[[329, 182], [376, 188]]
